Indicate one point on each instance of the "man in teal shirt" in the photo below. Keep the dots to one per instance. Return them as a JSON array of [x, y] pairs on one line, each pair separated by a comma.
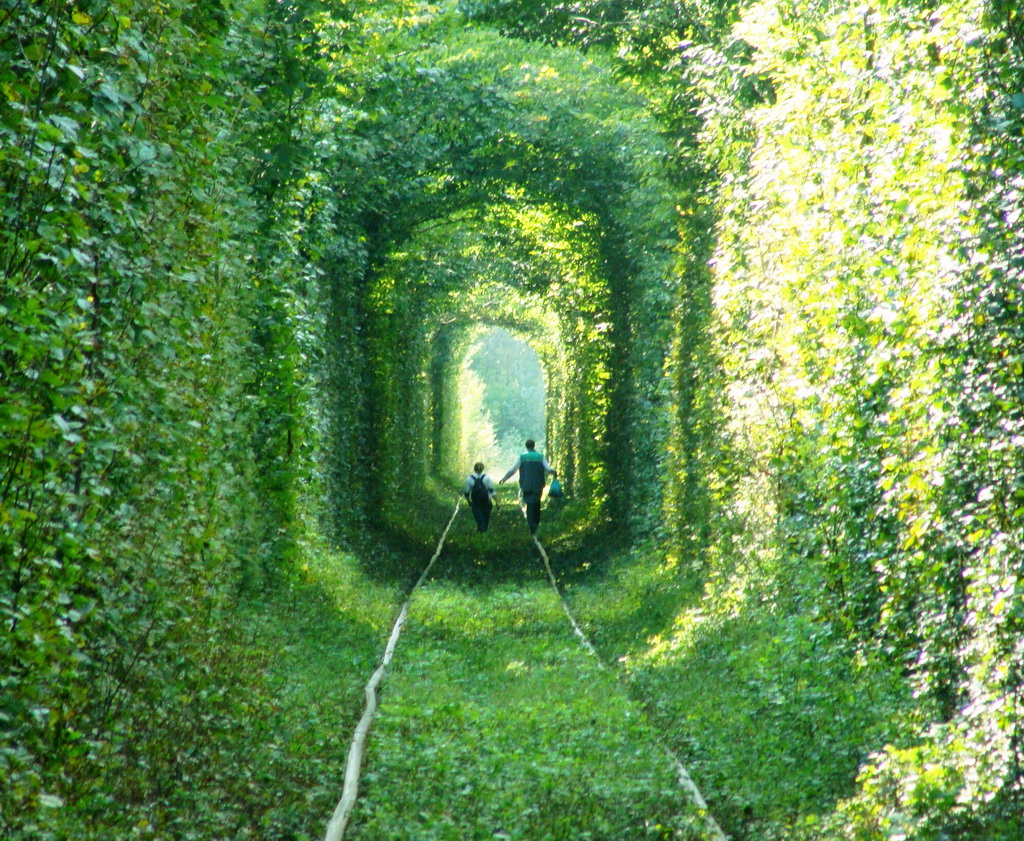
[[533, 470]]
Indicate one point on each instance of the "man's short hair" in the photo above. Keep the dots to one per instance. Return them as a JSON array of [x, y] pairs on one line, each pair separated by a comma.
[[478, 467], [530, 443]]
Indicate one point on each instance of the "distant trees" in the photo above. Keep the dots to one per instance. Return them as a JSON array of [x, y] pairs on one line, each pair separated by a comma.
[[515, 394]]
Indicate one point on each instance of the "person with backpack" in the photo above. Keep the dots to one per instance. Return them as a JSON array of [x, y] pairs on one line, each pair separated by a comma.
[[533, 471], [482, 496]]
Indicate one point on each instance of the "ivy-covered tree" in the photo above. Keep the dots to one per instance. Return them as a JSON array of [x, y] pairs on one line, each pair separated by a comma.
[[131, 503]]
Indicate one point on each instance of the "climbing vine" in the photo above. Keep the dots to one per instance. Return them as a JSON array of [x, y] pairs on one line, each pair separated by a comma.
[[767, 256], [134, 450]]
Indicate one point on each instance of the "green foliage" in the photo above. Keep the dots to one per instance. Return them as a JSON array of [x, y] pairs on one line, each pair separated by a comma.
[[523, 737], [130, 503], [768, 258], [861, 259], [472, 195]]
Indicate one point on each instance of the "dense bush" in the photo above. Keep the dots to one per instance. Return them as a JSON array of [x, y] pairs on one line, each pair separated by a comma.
[[867, 297], [769, 260], [136, 433]]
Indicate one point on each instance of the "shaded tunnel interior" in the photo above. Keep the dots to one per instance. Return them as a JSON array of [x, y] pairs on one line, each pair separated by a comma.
[[467, 310], [552, 242]]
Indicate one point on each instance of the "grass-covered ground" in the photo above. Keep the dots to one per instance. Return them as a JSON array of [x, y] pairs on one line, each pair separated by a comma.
[[770, 712], [322, 635], [495, 723]]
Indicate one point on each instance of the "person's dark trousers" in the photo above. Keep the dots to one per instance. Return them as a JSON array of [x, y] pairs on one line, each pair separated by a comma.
[[482, 515], [531, 499]]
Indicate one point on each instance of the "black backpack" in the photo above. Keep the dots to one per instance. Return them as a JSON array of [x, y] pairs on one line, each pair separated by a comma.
[[478, 494]]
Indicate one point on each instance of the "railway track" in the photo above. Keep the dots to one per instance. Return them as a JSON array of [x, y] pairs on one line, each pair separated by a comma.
[[698, 814]]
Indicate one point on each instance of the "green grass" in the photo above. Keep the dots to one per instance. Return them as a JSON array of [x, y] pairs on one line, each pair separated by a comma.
[[770, 711], [495, 724], [323, 635], [320, 632]]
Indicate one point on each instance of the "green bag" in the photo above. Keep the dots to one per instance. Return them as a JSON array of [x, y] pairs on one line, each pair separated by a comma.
[[555, 489]]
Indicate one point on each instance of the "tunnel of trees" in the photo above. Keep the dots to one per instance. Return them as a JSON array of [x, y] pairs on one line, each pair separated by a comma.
[[534, 197], [764, 255]]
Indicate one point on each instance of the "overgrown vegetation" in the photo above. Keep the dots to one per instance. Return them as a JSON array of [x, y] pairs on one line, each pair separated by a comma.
[[849, 473], [767, 256], [495, 710], [130, 510]]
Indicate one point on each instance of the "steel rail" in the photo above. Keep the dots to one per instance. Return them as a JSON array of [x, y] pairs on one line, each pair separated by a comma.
[[685, 780], [350, 788]]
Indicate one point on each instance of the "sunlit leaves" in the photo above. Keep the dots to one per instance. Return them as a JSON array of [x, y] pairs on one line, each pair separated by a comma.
[[853, 289], [125, 455]]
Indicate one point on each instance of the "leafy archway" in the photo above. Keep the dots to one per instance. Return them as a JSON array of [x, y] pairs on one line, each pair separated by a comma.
[[511, 185]]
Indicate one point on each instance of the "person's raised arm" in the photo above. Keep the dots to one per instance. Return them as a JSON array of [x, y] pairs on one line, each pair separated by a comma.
[[514, 468]]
